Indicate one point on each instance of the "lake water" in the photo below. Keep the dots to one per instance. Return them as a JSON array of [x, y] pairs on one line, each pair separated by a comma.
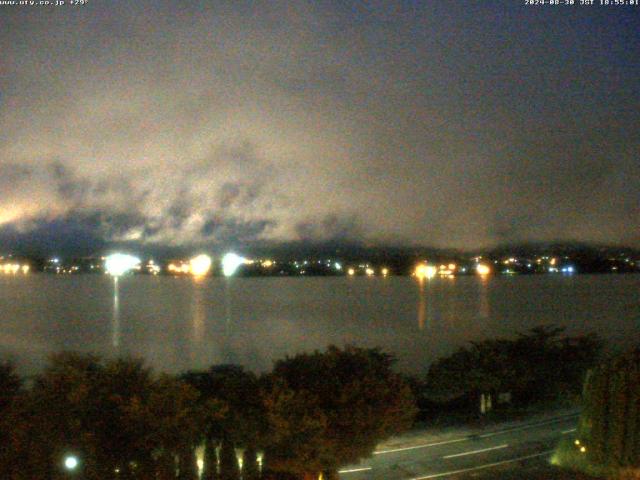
[[182, 323]]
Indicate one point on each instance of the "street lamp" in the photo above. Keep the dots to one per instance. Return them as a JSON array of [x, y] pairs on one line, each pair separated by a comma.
[[71, 462]]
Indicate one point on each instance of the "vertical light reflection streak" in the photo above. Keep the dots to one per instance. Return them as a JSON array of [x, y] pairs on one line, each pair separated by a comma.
[[115, 325], [227, 303], [483, 302], [422, 304], [198, 317]]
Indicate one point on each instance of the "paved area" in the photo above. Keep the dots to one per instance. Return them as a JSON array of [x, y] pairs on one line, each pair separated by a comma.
[[456, 452]]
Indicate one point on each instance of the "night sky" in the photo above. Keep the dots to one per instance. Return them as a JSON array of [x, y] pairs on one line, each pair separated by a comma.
[[460, 124]]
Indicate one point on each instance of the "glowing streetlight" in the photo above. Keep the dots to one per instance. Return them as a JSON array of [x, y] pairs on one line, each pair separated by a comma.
[[120, 263], [71, 462], [230, 263], [200, 265]]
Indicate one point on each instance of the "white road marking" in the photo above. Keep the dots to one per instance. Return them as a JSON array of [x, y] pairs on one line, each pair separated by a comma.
[[488, 465], [524, 427], [473, 452], [446, 442], [353, 470], [564, 432], [486, 435]]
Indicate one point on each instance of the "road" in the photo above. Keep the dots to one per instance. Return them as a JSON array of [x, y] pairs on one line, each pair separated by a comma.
[[442, 459]]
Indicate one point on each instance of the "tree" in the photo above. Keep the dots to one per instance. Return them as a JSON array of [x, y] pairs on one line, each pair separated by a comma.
[[115, 416], [10, 385], [610, 423], [329, 409], [250, 467], [10, 392], [235, 393], [210, 463], [297, 431], [537, 365], [176, 422], [229, 469]]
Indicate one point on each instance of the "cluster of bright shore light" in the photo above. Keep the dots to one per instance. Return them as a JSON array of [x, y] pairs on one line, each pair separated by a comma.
[[13, 268], [370, 272], [198, 266], [119, 263], [425, 270]]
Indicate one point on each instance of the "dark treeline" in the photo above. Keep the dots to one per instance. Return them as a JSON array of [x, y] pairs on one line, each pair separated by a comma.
[[540, 365], [312, 414]]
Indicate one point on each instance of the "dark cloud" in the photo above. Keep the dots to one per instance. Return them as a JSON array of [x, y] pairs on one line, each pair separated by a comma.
[[12, 174], [180, 210], [235, 232], [73, 235], [70, 188], [331, 228], [228, 194]]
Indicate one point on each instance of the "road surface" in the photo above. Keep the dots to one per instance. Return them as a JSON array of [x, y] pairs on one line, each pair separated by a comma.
[[445, 458]]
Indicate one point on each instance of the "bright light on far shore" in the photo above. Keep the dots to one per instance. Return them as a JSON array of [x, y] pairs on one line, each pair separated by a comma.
[[13, 268], [483, 269], [424, 270], [230, 263], [120, 263], [200, 265]]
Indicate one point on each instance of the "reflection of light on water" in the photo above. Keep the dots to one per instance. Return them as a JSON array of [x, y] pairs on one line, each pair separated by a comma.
[[227, 301], [198, 316], [425, 304], [422, 304], [115, 327], [483, 292]]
